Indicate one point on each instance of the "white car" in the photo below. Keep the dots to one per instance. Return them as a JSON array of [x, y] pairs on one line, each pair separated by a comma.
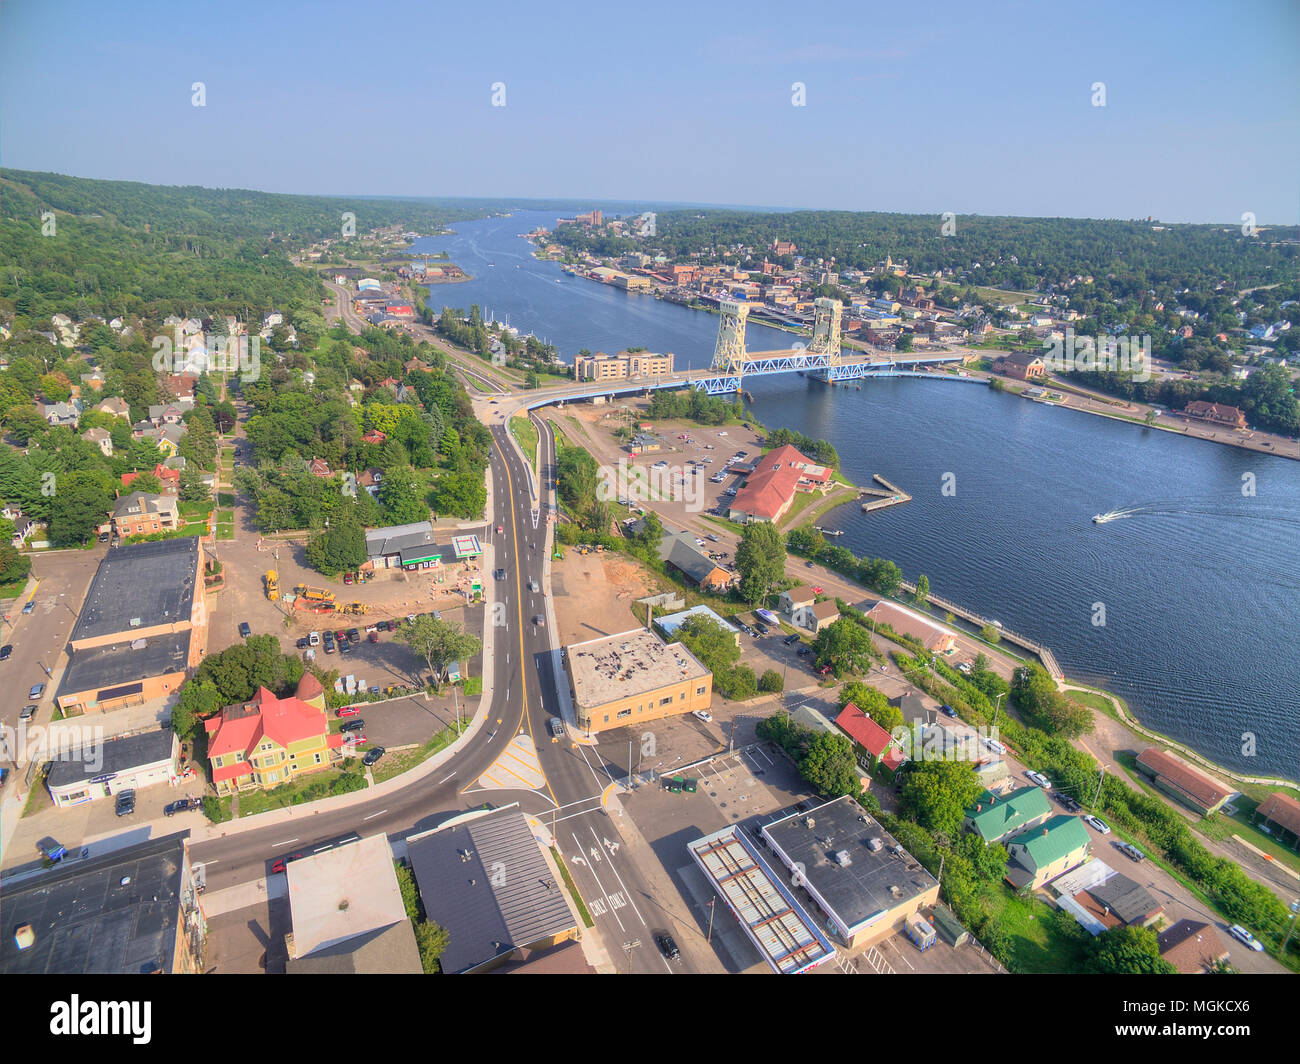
[[314, 639], [1242, 935], [1040, 779], [1096, 825], [704, 715]]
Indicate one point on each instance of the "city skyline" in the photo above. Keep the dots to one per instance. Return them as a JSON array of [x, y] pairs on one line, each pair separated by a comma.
[[972, 115]]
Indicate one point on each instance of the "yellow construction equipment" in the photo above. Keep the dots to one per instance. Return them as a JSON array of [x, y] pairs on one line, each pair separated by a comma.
[[272, 585], [354, 608], [314, 594]]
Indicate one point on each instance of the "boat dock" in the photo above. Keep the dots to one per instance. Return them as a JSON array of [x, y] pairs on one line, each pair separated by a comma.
[[1044, 654], [892, 496]]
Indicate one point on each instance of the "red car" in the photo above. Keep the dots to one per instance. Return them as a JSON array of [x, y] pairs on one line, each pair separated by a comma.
[[355, 737], [501, 530], [373, 637], [278, 864], [348, 711], [340, 635], [817, 591], [347, 578]]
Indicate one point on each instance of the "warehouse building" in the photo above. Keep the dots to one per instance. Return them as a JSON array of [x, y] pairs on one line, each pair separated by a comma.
[[633, 677]]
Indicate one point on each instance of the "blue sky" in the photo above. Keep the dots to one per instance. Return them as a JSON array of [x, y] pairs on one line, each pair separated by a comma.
[[971, 108]]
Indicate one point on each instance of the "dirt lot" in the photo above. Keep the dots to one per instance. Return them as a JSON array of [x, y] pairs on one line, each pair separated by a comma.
[[594, 593]]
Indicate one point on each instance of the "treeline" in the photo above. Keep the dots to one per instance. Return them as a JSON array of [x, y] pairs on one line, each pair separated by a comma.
[[691, 404], [878, 573], [1266, 397], [820, 451]]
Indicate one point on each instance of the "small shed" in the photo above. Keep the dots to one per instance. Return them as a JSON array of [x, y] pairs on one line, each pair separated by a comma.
[[949, 927]]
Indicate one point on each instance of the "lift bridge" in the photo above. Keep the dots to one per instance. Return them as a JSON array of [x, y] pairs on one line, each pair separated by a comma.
[[822, 359]]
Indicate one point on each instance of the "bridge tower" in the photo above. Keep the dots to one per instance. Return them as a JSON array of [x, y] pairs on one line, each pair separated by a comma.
[[826, 330], [729, 354]]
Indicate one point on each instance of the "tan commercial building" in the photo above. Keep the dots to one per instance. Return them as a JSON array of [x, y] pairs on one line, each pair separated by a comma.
[[623, 366], [633, 677]]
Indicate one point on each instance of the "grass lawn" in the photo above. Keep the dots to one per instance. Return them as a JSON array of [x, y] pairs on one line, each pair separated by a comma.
[[225, 524], [309, 788], [525, 432], [573, 890], [226, 498], [1038, 946], [395, 764]]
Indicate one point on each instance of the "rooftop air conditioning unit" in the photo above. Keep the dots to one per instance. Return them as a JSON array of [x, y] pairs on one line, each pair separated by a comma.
[[842, 858]]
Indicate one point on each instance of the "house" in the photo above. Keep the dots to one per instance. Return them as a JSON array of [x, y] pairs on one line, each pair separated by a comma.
[[140, 514], [116, 406], [374, 436], [1193, 947], [24, 526], [903, 621], [101, 438], [169, 477], [680, 551], [1021, 366], [60, 413], [168, 438], [815, 617], [318, 467], [1053, 847], [643, 442], [1215, 413], [179, 386], [166, 414], [267, 741], [997, 817], [371, 480], [1281, 815], [1187, 785], [769, 490], [94, 380], [1100, 898], [796, 598], [871, 739]]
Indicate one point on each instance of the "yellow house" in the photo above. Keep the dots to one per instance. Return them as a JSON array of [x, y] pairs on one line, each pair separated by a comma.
[[267, 741]]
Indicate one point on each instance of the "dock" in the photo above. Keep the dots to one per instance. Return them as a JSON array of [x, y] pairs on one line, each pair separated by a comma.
[[892, 496]]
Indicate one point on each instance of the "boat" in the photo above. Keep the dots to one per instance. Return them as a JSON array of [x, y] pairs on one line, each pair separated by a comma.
[[828, 531]]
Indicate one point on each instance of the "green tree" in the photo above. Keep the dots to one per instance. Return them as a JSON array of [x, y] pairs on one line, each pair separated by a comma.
[[79, 506], [873, 703], [1127, 951], [459, 495], [922, 589], [652, 531], [936, 794], [14, 566], [197, 700], [829, 766], [400, 496], [760, 560], [845, 646], [438, 642], [771, 682], [339, 548], [192, 487], [146, 482]]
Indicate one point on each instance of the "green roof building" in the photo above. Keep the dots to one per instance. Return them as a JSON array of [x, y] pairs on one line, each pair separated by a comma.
[[1043, 853], [996, 817]]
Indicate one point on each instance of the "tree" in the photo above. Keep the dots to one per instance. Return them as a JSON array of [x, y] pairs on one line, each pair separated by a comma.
[[936, 794], [459, 495], [80, 505], [339, 548], [990, 634], [400, 496], [771, 682], [24, 423], [710, 642], [198, 699], [740, 683], [652, 530], [873, 703], [1127, 951], [845, 646], [432, 942], [829, 766], [192, 487], [14, 566], [922, 589], [438, 642], [148, 483], [760, 560]]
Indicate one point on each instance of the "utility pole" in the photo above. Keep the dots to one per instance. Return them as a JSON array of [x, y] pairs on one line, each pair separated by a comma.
[[1001, 696], [714, 900], [1100, 776]]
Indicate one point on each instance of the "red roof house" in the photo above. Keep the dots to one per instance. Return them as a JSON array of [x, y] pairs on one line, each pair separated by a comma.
[[870, 736]]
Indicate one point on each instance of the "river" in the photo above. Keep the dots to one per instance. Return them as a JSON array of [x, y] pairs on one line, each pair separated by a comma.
[[1186, 609]]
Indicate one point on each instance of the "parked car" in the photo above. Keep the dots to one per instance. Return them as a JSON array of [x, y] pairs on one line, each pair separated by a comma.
[[1096, 825], [1130, 851], [28, 713], [244, 630], [51, 849], [760, 627], [373, 637], [704, 715], [354, 725], [347, 578], [948, 710], [1040, 779], [303, 643], [1070, 805], [37, 690], [355, 738], [372, 756], [667, 947], [539, 621], [354, 635], [103, 537], [348, 711], [1242, 935], [803, 652], [340, 635], [6, 651], [383, 626], [278, 864], [125, 803], [995, 746], [30, 606], [184, 805], [790, 640], [712, 538], [345, 647]]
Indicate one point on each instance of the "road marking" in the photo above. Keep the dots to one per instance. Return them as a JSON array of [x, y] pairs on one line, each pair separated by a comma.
[[285, 843], [620, 880], [373, 815], [592, 870], [446, 778]]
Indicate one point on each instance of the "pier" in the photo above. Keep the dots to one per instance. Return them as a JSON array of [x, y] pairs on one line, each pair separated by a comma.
[[892, 496]]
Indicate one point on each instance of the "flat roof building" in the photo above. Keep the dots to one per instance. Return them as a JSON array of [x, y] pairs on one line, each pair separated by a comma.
[[852, 869], [786, 936], [124, 764], [483, 878], [633, 677], [672, 622], [132, 911]]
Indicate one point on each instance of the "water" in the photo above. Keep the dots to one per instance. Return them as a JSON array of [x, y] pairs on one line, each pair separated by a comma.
[[1197, 588]]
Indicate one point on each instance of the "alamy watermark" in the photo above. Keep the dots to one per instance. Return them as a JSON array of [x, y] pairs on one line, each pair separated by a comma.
[[33, 742], [627, 483], [1103, 354]]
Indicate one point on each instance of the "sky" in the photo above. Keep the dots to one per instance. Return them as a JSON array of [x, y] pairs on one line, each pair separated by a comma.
[[986, 108]]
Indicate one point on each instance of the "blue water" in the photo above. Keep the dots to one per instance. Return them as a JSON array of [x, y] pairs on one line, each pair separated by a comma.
[[1198, 588]]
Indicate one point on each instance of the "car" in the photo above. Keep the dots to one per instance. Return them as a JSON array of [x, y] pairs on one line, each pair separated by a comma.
[[1130, 851], [6, 651], [103, 537], [712, 538], [28, 713], [1070, 805], [1040, 779], [1095, 824], [947, 710], [500, 574], [790, 640], [373, 755], [347, 578], [340, 635], [373, 637], [704, 715], [345, 645], [809, 565], [501, 530], [803, 652], [30, 606], [354, 725], [4, 776], [539, 621], [533, 585], [313, 639], [1242, 935], [184, 805], [354, 635], [660, 465], [556, 727], [355, 738], [410, 618], [667, 947], [303, 643], [382, 626], [329, 647], [995, 746], [760, 628], [51, 849], [964, 668], [125, 803], [823, 670], [348, 711], [244, 630], [37, 690], [277, 865]]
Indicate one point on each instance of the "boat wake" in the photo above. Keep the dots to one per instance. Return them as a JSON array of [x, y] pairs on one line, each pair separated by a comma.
[[1206, 508]]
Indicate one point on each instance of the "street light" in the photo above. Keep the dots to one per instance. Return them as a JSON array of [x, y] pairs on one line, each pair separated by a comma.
[[1001, 696]]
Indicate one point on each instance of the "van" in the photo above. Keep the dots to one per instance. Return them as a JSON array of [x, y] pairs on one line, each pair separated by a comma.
[[995, 746]]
